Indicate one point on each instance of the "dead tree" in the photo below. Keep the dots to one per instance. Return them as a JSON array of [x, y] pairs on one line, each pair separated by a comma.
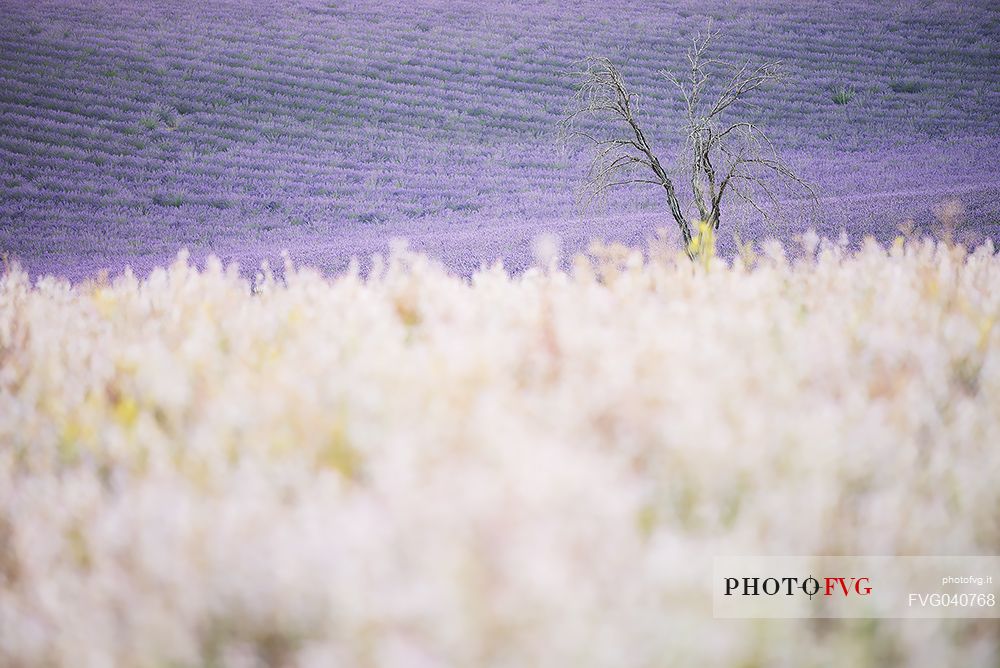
[[721, 157]]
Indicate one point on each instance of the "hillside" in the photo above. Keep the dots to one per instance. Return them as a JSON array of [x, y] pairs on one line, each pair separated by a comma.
[[128, 130]]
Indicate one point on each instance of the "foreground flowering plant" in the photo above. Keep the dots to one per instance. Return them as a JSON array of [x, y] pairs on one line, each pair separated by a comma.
[[412, 469]]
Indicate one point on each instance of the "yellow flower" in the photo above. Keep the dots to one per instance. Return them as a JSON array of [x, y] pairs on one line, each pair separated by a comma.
[[104, 300], [703, 243], [338, 453], [126, 412]]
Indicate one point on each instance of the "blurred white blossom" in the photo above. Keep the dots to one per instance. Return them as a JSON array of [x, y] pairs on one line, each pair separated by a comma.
[[411, 469]]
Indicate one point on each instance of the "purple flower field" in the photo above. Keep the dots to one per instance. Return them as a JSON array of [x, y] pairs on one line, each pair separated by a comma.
[[129, 130]]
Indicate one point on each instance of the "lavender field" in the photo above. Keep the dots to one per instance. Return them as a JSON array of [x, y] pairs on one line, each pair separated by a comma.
[[131, 129]]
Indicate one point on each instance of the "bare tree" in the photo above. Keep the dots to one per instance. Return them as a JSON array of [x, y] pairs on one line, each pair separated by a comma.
[[721, 157]]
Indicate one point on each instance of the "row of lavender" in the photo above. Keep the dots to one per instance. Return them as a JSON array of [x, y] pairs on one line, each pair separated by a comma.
[[129, 129]]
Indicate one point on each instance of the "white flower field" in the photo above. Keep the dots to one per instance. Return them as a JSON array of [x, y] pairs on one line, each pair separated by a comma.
[[410, 468]]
